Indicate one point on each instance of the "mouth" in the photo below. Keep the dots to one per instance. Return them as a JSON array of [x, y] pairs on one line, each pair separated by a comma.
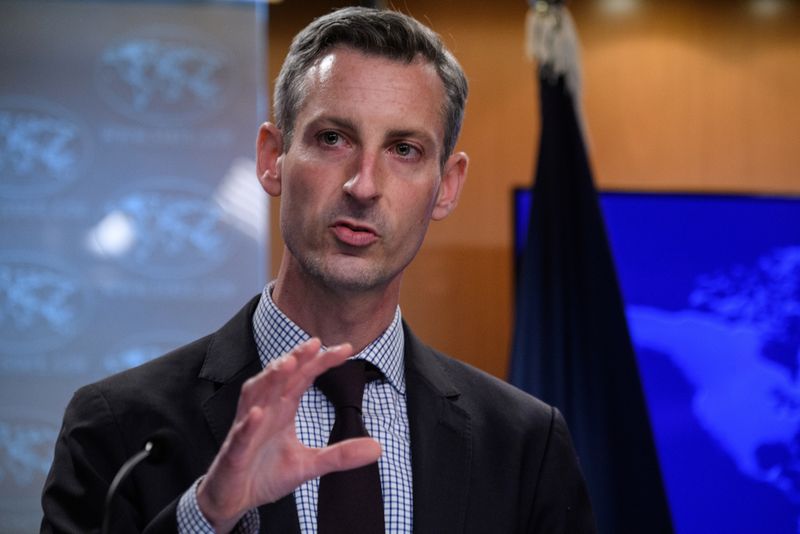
[[354, 234]]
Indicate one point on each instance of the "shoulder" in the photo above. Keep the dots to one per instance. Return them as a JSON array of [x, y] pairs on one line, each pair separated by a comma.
[[177, 382], [519, 446], [156, 386], [174, 365], [215, 357], [486, 398]]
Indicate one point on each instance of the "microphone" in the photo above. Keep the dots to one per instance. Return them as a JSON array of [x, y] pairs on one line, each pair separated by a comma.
[[157, 449]]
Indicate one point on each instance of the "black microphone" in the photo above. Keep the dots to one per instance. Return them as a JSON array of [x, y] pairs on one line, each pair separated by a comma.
[[158, 448]]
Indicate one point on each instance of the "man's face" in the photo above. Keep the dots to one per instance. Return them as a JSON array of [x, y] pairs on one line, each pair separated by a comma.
[[362, 177]]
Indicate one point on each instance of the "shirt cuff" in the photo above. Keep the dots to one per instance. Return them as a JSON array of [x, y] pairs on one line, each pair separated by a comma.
[[192, 521]]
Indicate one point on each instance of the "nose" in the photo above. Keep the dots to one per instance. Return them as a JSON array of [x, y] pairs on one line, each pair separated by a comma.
[[364, 184]]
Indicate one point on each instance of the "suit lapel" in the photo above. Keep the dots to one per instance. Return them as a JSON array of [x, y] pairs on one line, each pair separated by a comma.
[[231, 359], [441, 444]]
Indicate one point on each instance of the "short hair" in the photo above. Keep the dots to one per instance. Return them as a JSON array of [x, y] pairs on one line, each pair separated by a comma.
[[383, 33]]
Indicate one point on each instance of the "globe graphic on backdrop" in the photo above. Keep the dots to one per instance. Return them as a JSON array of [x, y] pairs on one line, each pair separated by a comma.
[[43, 147], [165, 74], [737, 344]]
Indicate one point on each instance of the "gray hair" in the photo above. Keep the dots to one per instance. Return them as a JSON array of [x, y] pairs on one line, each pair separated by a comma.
[[375, 32]]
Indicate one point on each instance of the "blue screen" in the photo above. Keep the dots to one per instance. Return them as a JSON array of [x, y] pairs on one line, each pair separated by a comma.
[[712, 294]]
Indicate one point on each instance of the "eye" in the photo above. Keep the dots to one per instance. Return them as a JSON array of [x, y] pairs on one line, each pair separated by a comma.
[[407, 150], [330, 138]]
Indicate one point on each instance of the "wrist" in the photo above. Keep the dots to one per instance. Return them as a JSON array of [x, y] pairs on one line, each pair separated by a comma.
[[223, 520]]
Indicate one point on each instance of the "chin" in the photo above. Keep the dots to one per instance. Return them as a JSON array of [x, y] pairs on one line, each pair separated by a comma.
[[353, 278], [354, 281], [347, 273]]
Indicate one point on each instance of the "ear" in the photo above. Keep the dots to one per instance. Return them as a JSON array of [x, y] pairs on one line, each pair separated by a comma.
[[453, 177], [269, 148]]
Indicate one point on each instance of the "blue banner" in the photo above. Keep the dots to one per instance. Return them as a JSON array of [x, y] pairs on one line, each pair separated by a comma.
[[132, 220]]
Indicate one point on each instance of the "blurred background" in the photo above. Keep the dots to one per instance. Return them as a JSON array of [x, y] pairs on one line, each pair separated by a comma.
[[132, 221]]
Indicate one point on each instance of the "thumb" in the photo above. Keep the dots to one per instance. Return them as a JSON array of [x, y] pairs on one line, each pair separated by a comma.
[[345, 455]]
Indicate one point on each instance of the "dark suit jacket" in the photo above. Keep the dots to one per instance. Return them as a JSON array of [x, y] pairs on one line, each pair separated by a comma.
[[486, 457]]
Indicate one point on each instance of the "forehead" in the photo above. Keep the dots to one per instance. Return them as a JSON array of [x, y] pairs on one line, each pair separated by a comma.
[[344, 80]]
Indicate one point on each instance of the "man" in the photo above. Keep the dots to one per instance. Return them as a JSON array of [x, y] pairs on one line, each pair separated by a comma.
[[368, 107]]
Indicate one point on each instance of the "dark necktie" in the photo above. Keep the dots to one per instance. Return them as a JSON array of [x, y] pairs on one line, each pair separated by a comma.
[[350, 502]]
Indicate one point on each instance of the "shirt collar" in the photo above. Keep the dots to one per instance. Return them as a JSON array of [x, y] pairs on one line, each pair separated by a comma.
[[276, 334]]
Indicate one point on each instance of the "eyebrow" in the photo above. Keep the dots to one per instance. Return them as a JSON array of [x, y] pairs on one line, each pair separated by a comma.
[[345, 124], [418, 134]]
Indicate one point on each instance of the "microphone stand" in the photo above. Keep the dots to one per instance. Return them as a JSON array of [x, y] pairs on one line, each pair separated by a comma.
[[121, 475]]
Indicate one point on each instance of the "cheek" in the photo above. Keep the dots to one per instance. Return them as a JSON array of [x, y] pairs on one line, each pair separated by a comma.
[[295, 203], [306, 198], [417, 213], [299, 190], [424, 202]]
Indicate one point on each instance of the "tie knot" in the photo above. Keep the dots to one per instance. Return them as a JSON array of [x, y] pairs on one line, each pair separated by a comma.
[[344, 385]]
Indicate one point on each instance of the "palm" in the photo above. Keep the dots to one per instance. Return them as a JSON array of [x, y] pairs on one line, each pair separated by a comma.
[[261, 459]]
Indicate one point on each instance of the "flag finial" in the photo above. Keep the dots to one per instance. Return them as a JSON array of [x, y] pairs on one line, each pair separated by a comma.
[[552, 40]]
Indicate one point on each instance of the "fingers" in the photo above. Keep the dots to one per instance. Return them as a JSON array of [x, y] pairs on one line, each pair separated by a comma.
[[288, 377], [311, 368], [268, 386]]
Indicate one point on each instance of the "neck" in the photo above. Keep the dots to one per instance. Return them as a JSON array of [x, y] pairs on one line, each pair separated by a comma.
[[335, 315]]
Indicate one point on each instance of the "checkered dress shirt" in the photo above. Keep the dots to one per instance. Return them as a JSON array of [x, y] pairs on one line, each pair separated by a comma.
[[385, 417]]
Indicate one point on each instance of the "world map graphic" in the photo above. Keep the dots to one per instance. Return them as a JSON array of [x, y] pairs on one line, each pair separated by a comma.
[[712, 286]]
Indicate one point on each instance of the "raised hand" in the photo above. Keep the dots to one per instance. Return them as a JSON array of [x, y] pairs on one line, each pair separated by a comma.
[[261, 459]]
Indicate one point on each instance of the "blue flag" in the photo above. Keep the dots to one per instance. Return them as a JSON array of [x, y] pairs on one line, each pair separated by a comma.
[[571, 345]]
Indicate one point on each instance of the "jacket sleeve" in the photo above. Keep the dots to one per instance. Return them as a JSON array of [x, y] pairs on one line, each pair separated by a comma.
[[89, 451], [561, 500]]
